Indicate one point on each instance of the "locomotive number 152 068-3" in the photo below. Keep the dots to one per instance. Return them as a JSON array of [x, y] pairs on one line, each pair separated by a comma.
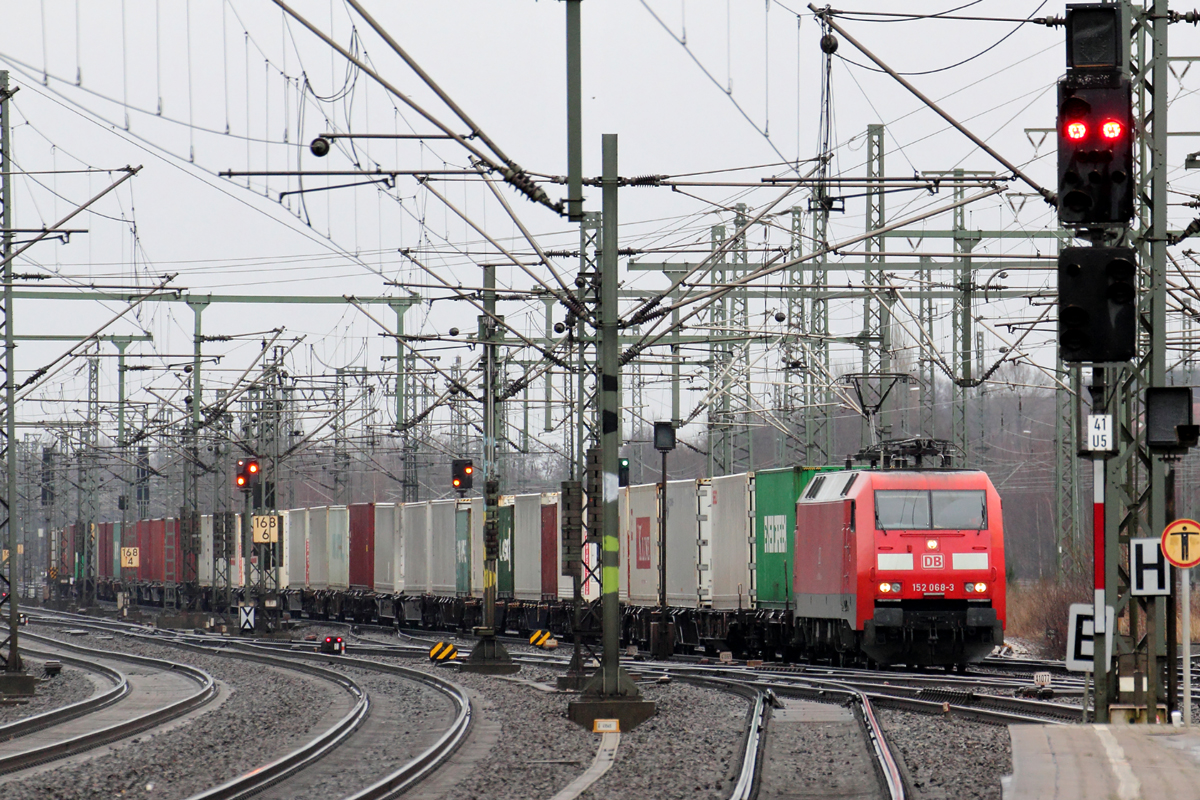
[[933, 587]]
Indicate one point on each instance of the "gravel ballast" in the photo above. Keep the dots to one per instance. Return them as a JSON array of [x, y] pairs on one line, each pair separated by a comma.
[[69, 686], [690, 750], [268, 712], [949, 757]]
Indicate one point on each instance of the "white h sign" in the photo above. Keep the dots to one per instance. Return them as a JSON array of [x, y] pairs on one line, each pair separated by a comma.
[[1148, 568]]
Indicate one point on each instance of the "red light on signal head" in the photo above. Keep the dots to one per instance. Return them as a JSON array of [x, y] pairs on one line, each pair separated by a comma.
[[456, 482], [1075, 130], [253, 466], [468, 470], [241, 481], [1111, 129]]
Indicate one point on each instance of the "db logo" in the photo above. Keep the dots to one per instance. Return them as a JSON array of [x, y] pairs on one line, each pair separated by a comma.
[[933, 561]]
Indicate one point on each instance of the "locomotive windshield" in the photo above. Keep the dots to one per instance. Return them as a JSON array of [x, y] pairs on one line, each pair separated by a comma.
[[940, 509]]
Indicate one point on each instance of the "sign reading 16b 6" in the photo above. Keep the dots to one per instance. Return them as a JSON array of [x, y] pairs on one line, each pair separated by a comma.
[[264, 529]]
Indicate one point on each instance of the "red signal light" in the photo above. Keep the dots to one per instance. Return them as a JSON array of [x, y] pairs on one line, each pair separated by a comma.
[[469, 470], [1076, 130], [253, 467], [1111, 129], [241, 481], [456, 483]]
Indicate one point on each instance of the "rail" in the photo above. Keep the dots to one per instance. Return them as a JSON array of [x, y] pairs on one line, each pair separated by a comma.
[[54, 716], [120, 730]]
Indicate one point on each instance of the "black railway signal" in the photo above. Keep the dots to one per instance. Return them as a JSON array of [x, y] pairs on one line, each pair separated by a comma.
[[1097, 304], [1095, 150], [462, 473], [248, 471]]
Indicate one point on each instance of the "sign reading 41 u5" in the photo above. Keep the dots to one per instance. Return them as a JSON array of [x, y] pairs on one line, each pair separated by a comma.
[[1100, 433], [264, 528]]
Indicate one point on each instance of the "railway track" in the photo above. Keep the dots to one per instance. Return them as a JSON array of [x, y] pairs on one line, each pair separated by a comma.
[[147, 695], [318, 760]]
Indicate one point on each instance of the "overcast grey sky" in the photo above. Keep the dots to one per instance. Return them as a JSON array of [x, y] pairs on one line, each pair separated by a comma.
[[192, 88]]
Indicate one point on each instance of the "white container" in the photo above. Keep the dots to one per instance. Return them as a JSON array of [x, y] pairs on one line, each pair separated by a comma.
[[527, 547], [204, 568], [337, 534], [683, 544], [388, 550], [317, 548], [293, 572], [441, 547], [731, 537], [639, 540], [414, 529], [704, 541]]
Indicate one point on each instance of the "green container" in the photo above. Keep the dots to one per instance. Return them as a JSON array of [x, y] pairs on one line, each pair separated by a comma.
[[775, 495], [504, 566], [462, 551]]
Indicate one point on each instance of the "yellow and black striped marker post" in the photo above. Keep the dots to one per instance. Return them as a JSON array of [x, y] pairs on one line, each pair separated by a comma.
[[443, 651], [539, 638]]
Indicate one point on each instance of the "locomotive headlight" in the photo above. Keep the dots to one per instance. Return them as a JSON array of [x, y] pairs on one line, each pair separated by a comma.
[[931, 544], [895, 588], [970, 587], [884, 588], [981, 587]]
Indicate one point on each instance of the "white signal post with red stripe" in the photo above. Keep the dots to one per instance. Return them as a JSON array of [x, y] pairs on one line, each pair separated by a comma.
[[1100, 442]]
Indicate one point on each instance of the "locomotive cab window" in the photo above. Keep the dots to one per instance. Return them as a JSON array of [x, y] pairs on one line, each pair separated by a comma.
[[901, 510], [959, 510], [943, 509]]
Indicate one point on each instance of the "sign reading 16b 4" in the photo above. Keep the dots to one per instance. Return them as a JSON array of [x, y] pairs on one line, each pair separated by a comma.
[[264, 529]]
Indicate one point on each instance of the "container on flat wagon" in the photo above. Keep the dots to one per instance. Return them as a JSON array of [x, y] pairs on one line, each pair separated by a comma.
[[640, 541], [293, 569], [362, 546], [338, 535], [683, 544], [388, 566], [104, 552], [555, 585], [527, 547], [462, 548], [318, 548], [175, 559], [504, 550], [443, 547], [414, 531], [730, 536], [204, 570], [775, 495], [116, 550]]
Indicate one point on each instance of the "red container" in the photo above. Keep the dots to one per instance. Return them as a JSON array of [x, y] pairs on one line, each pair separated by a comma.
[[104, 550], [143, 545], [173, 568], [362, 546], [550, 551], [152, 553]]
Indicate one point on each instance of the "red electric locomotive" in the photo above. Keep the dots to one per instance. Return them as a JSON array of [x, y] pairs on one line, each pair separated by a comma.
[[903, 566]]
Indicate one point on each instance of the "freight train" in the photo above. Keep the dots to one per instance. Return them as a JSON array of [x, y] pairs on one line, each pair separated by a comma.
[[880, 565]]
